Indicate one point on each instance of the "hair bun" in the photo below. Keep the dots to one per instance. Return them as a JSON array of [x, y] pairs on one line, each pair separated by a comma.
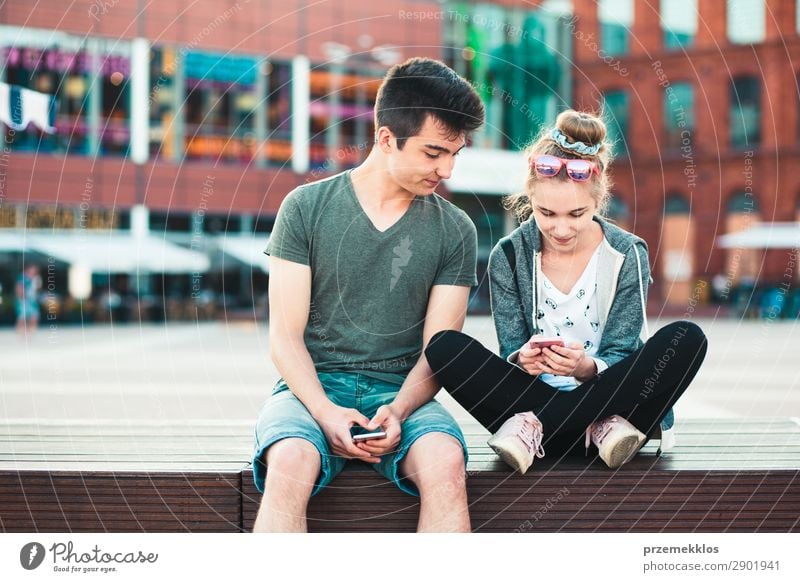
[[583, 127]]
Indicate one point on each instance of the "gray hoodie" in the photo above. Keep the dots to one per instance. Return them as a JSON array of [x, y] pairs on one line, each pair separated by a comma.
[[623, 275]]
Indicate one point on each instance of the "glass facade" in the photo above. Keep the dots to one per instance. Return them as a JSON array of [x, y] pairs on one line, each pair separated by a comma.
[[113, 78], [89, 78], [342, 121], [221, 108], [58, 71], [219, 104], [162, 102], [515, 59], [489, 217]]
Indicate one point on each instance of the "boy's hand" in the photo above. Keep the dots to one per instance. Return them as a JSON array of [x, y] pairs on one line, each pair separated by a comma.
[[336, 422], [385, 418]]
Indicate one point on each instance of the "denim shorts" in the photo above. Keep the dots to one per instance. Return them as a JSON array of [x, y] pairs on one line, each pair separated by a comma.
[[284, 416]]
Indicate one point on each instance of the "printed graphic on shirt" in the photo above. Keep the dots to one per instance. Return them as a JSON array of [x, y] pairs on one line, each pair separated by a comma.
[[402, 255], [568, 322], [539, 314], [551, 303], [581, 293], [587, 345]]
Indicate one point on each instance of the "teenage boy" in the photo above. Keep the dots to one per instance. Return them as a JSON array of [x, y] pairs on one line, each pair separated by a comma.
[[366, 266]]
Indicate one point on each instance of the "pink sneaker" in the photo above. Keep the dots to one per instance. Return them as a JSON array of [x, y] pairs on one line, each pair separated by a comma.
[[616, 439], [519, 441]]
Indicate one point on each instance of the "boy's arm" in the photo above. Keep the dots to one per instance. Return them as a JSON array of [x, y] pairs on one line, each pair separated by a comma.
[[289, 306], [447, 309]]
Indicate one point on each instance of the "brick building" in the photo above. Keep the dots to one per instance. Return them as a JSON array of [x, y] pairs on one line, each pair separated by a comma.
[[194, 124], [703, 98]]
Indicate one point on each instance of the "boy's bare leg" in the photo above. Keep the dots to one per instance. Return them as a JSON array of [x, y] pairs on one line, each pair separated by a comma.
[[293, 465], [435, 464]]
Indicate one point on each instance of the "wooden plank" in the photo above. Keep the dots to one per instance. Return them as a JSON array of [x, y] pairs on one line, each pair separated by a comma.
[[53, 501], [597, 501]]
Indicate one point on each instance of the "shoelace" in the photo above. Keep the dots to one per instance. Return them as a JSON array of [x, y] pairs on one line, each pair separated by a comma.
[[600, 429], [531, 435]]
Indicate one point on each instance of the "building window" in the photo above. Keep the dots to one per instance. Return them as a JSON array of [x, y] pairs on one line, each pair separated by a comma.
[[263, 223], [616, 112], [162, 222], [676, 204], [162, 102], [678, 23], [678, 114], [115, 110], [742, 266], [677, 260], [618, 211], [742, 203], [89, 79], [342, 122], [746, 20], [278, 147], [616, 20], [54, 71], [745, 112], [222, 223], [219, 107]]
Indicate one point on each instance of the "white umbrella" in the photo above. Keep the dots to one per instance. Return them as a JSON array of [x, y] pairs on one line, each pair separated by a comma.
[[767, 235]]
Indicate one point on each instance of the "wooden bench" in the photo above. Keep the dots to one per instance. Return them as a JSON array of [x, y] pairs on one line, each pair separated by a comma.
[[724, 475]]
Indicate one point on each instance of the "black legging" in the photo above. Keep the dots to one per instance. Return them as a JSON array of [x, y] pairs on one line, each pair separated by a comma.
[[642, 387]]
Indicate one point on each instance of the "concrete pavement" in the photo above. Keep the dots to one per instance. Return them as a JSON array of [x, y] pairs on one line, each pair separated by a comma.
[[222, 371]]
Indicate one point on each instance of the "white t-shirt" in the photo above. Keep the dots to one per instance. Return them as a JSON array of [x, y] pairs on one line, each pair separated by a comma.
[[572, 316]]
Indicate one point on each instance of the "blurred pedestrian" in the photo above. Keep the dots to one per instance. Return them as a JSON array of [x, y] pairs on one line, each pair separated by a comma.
[[27, 295]]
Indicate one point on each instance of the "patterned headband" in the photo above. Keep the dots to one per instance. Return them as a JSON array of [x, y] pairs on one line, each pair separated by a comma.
[[561, 141]]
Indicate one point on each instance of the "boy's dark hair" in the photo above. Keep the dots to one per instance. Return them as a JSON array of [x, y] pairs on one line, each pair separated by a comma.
[[420, 87]]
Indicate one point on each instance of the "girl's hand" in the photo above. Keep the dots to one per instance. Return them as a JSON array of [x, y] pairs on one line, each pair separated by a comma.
[[568, 361], [530, 359]]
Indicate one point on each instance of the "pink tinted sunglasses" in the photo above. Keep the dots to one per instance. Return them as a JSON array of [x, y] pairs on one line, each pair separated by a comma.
[[547, 166]]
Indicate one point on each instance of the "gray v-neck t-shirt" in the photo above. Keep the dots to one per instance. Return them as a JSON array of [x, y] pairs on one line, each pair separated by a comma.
[[370, 289]]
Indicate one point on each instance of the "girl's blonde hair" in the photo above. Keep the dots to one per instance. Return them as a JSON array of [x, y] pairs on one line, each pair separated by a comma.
[[576, 126]]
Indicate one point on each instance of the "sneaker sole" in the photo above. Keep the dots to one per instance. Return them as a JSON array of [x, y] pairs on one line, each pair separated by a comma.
[[624, 450], [509, 459]]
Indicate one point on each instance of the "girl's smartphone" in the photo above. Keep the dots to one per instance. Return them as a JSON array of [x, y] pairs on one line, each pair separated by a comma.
[[366, 436], [545, 342]]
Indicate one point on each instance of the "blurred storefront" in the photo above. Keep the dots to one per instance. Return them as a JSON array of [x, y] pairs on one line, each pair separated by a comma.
[[193, 129]]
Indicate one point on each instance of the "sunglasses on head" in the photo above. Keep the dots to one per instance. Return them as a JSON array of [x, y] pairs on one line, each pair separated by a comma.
[[547, 166]]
